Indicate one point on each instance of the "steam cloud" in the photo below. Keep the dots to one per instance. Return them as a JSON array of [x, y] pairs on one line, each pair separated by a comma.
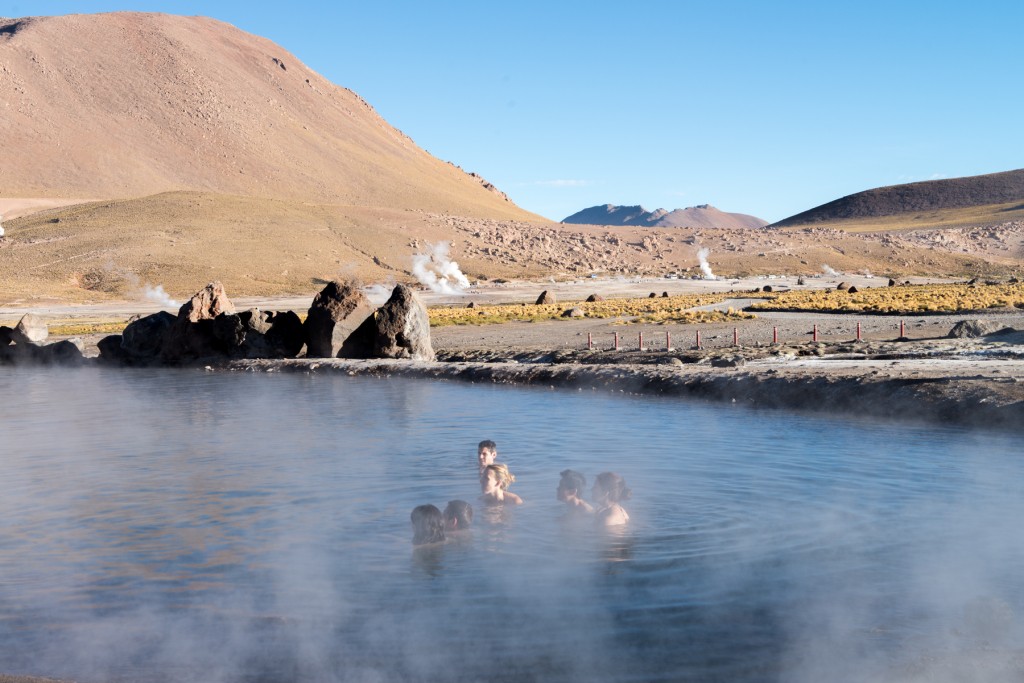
[[705, 267], [437, 272], [157, 295], [828, 270], [1, 226]]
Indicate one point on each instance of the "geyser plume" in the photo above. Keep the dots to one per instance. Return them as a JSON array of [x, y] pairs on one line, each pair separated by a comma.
[[705, 267], [437, 272], [828, 270], [1, 225], [157, 295]]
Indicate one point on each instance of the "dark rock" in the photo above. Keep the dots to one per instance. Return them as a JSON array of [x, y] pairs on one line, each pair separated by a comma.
[[5, 335], [31, 329], [66, 352], [143, 337], [664, 295], [652, 295], [970, 329], [193, 334], [229, 332], [110, 349], [471, 304], [728, 362], [256, 320], [852, 290], [973, 281], [403, 327], [574, 312], [286, 335], [337, 311], [546, 298], [842, 287], [801, 281], [594, 297], [892, 283], [766, 288]]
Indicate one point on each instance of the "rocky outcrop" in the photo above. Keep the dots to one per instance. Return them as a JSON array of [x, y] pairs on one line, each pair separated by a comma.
[[546, 298], [143, 338], [31, 329], [969, 329], [403, 327], [339, 310], [193, 334]]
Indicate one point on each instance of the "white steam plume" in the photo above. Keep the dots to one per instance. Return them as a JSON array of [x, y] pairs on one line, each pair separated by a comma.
[[437, 272], [157, 295], [705, 267], [828, 270], [1, 226]]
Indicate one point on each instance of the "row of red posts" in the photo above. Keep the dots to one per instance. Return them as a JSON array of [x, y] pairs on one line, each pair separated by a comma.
[[735, 337]]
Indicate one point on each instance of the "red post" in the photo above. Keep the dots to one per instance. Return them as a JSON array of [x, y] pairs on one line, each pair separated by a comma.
[[698, 339], [775, 335], [903, 329], [640, 343], [590, 340], [735, 336], [616, 341], [815, 337], [668, 341], [858, 331]]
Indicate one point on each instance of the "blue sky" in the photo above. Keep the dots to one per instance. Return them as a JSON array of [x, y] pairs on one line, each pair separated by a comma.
[[767, 108]]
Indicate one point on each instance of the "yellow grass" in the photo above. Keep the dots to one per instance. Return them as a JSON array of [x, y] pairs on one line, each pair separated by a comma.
[[956, 298], [658, 310]]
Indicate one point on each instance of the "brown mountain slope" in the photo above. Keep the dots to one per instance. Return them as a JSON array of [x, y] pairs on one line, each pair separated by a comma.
[[994, 190], [129, 104]]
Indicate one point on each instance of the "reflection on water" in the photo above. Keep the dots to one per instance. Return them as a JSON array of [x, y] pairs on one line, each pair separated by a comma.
[[189, 526]]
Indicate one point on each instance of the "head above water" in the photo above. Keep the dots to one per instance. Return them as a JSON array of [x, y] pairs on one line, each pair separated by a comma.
[[427, 525], [572, 483], [458, 515], [486, 452], [497, 473], [610, 488]]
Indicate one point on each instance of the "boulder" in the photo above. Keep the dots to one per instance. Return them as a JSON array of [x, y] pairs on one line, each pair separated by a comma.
[[892, 282], [111, 350], [66, 352], [230, 332], [664, 295], [337, 311], [970, 329], [471, 304], [728, 362], [403, 327], [286, 334], [5, 335], [256, 320], [800, 281], [31, 329], [594, 297], [143, 336], [574, 312], [546, 298], [842, 287], [766, 288], [851, 290], [192, 336]]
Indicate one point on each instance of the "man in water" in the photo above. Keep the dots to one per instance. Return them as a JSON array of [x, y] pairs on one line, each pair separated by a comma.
[[486, 454]]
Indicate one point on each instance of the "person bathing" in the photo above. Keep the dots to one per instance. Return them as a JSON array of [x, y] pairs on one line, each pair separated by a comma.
[[486, 453], [608, 492], [427, 525], [494, 483], [570, 491]]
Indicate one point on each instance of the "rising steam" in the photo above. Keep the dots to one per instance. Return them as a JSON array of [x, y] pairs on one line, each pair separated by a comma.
[[705, 267], [828, 270], [1, 226], [157, 295], [437, 272]]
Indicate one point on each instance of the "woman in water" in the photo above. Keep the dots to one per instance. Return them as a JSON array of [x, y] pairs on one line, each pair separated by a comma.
[[458, 516], [570, 491], [494, 483], [610, 490], [427, 525]]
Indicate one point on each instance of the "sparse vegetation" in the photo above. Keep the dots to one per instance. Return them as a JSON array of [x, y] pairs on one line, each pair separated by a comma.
[[646, 310], [917, 299]]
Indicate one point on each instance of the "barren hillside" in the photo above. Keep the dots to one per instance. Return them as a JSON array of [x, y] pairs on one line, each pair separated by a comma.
[[1003, 192], [129, 104]]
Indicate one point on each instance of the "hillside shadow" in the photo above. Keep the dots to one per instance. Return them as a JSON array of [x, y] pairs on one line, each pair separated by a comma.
[[1012, 208]]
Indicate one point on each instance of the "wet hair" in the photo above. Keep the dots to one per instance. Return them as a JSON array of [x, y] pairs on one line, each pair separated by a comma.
[[458, 514], [572, 481], [427, 525], [614, 485], [488, 444], [504, 477]]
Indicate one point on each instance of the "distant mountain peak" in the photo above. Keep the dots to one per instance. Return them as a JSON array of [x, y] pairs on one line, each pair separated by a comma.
[[700, 216]]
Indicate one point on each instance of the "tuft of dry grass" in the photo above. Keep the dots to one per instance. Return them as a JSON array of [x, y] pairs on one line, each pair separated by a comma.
[[674, 309], [909, 299]]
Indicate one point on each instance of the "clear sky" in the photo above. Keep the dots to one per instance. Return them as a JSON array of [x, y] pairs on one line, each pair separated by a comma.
[[761, 107]]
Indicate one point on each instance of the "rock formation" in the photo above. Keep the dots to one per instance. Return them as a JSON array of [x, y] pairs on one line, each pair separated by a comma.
[[339, 310], [403, 327]]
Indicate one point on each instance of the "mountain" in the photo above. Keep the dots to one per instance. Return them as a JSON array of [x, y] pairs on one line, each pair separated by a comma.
[[128, 104], [931, 202], [703, 216]]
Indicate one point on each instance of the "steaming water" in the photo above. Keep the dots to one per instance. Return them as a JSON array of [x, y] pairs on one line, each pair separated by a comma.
[[188, 526]]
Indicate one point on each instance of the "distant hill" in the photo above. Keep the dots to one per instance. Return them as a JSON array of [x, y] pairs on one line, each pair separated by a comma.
[[703, 216], [927, 197], [127, 104]]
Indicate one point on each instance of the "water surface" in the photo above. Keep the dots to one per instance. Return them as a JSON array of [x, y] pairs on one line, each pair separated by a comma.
[[192, 526]]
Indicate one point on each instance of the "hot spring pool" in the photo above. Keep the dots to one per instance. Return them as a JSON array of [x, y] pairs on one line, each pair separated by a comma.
[[188, 526]]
